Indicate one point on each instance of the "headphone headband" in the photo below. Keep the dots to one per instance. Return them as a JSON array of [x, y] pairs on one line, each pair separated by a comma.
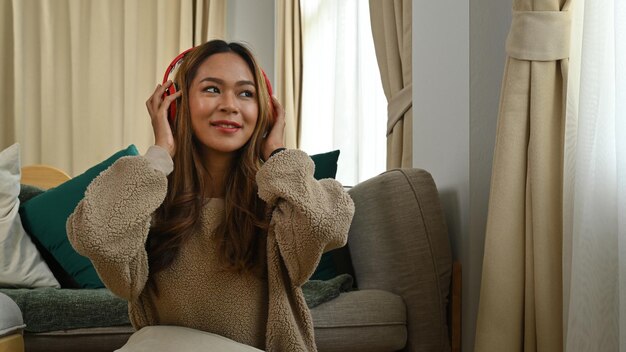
[[172, 88], [177, 60]]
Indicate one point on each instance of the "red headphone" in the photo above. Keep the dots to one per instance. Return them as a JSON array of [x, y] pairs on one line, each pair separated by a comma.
[[172, 88]]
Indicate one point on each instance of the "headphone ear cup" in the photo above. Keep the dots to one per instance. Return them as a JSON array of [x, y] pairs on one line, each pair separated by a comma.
[[172, 109], [173, 88]]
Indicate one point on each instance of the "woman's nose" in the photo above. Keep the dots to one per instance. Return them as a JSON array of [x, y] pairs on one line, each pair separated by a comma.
[[228, 103]]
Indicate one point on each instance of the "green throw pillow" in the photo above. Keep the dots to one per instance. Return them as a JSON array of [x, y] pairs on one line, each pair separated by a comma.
[[325, 164], [325, 167], [45, 215]]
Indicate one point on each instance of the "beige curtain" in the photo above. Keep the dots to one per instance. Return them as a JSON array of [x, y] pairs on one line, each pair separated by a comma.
[[521, 300], [289, 67], [76, 73], [391, 29], [209, 20]]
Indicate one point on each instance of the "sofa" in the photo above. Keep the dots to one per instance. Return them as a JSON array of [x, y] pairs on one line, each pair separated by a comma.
[[398, 254]]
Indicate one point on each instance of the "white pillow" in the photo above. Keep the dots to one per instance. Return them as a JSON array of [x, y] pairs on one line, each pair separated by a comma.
[[21, 264], [165, 338]]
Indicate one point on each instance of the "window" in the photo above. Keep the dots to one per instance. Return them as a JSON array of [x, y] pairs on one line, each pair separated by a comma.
[[343, 103]]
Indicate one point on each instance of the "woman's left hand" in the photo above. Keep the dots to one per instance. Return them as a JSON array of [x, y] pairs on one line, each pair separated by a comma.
[[276, 137]]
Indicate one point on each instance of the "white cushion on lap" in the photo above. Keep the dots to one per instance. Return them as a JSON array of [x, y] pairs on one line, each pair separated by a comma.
[[175, 338]]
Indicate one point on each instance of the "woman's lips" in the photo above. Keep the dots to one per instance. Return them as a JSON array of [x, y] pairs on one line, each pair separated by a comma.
[[226, 126]]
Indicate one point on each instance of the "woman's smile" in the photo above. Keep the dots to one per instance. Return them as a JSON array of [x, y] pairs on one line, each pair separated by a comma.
[[226, 126]]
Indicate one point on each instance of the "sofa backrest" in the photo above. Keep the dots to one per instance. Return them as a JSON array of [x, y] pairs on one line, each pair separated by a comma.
[[399, 242]]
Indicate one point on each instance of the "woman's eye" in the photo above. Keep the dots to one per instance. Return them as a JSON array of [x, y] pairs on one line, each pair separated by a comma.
[[211, 89], [247, 94]]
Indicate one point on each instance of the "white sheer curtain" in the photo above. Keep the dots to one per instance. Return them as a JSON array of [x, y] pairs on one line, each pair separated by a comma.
[[343, 103], [595, 175]]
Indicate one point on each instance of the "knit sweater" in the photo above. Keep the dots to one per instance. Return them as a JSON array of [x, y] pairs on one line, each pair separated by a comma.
[[110, 226]]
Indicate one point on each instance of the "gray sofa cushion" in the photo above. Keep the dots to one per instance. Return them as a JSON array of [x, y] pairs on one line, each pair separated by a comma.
[[49, 309], [368, 320]]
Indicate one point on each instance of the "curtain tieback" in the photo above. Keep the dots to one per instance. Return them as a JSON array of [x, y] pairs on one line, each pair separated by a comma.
[[539, 35], [399, 104]]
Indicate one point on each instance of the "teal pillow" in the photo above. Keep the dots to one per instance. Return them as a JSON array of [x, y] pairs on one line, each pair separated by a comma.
[[325, 164], [45, 215], [325, 167]]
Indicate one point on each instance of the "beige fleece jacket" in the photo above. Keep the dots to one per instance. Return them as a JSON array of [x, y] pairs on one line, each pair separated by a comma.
[[110, 226]]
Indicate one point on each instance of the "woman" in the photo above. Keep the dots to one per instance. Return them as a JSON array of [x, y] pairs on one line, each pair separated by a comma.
[[217, 226]]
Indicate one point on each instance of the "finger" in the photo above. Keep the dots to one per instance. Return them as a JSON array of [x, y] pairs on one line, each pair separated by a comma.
[[158, 99], [278, 129], [173, 96], [154, 100], [159, 91], [170, 98], [150, 99], [167, 101], [279, 110], [161, 88]]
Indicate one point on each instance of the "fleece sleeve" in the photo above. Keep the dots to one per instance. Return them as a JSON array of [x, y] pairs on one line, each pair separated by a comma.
[[309, 218], [110, 225]]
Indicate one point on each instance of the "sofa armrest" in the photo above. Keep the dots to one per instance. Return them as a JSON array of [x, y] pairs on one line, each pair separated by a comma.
[[399, 242]]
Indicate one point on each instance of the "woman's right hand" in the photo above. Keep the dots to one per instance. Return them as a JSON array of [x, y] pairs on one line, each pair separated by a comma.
[[158, 107]]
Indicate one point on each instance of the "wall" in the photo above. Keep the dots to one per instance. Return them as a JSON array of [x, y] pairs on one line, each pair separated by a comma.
[[458, 61], [489, 25]]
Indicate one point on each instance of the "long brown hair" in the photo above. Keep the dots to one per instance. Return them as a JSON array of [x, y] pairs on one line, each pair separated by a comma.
[[245, 223]]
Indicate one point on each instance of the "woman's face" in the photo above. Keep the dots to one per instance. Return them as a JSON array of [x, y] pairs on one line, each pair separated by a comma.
[[223, 103]]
